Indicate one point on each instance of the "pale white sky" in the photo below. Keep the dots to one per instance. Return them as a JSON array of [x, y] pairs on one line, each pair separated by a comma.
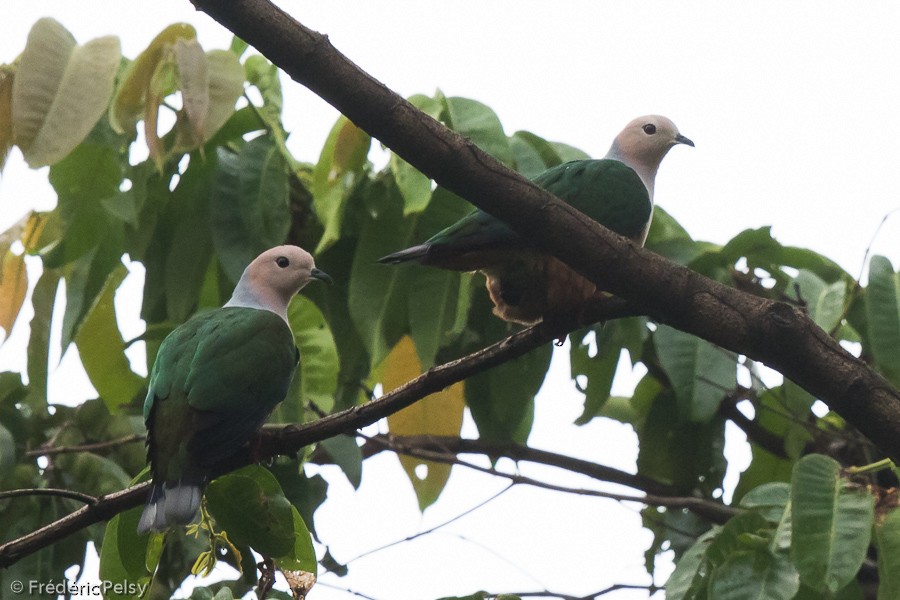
[[791, 106]]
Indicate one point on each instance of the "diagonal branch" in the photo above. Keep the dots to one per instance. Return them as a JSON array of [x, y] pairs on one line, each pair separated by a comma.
[[291, 438], [775, 333]]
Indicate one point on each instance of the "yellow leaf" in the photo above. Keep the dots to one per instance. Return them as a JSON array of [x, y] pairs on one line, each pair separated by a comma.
[[438, 414], [13, 284], [127, 106], [102, 349]]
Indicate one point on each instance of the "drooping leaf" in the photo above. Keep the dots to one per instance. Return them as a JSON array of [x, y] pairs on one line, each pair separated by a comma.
[[319, 362], [824, 302], [128, 105], [346, 454], [225, 81], [883, 309], [339, 168], [302, 557], [250, 506], [831, 524], [887, 538], [438, 414], [42, 300], [701, 373], [754, 575], [193, 73], [13, 277], [102, 349], [124, 555], [250, 211], [687, 580], [480, 124]]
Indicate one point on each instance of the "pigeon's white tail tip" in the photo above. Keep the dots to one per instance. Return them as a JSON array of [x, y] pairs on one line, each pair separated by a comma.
[[168, 506]]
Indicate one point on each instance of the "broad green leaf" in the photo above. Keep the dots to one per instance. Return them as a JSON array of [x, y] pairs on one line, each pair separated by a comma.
[[501, 399], [687, 578], [437, 414], [42, 300], [302, 556], [6, 116], [319, 362], [567, 152], [532, 154], [701, 374], [263, 75], [127, 107], [883, 309], [123, 555], [732, 539], [339, 168], [414, 186], [250, 506], [102, 349], [685, 454], [190, 251], [378, 294], [770, 498], [346, 454], [250, 211], [887, 539], [480, 124], [85, 281], [831, 524], [754, 576], [824, 302]]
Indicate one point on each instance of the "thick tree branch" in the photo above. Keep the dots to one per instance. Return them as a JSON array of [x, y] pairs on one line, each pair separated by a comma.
[[781, 336]]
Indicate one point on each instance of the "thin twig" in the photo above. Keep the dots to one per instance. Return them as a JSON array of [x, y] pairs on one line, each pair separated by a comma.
[[56, 492], [105, 445]]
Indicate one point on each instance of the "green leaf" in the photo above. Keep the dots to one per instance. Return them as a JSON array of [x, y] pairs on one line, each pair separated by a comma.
[[831, 524], [102, 349], [193, 73], [7, 451], [480, 124], [250, 210], [251, 507], [340, 167], [414, 186], [123, 555], [701, 374], [771, 498], [883, 310], [754, 576], [824, 302], [687, 578], [346, 454], [532, 154], [501, 399], [887, 539], [302, 556], [319, 362], [43, 298], [225, 78], [60, 91]]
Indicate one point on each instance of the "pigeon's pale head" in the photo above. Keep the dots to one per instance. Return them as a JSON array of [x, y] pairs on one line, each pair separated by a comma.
[[274, 277], [643, 144]]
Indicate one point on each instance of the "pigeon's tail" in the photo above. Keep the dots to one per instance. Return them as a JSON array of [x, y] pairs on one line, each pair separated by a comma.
[[167, 506], [414, 254]]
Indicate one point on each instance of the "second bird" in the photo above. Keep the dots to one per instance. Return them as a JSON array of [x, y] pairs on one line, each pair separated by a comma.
[[527, 285]]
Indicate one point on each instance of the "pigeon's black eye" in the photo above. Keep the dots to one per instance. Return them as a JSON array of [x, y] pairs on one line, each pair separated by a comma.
[[282, 262], [649, 128]]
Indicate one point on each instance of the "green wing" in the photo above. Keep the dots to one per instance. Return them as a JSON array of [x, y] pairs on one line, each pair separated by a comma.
[[606, 190], [215, 380]]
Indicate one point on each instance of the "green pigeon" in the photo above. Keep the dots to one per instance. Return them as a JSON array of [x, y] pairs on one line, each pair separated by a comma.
[[216, 379], [527, 285]]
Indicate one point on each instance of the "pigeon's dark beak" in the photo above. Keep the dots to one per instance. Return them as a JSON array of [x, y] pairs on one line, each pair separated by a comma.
[[680, 139], [321, 276]]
